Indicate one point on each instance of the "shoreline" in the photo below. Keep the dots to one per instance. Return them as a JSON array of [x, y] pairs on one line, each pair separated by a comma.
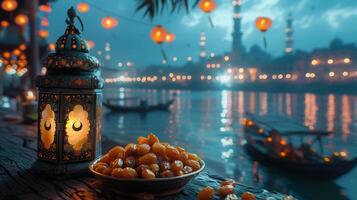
[[318, 88]]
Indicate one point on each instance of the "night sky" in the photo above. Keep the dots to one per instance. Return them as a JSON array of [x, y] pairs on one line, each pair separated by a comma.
[[316, 23]]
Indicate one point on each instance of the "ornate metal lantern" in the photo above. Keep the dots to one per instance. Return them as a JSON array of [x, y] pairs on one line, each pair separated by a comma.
[[70, 106]]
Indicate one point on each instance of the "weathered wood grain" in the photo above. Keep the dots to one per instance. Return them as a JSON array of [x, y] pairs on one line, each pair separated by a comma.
[[18, 152]]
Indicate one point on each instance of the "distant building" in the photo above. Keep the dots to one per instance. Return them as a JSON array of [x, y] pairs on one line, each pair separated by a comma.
[[203, 53], [289, 33], [237, 46], [335, 63]]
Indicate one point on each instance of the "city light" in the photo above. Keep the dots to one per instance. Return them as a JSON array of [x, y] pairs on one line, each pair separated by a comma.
[[344, 73], [224, 78], [347, 60], [226, 58], [310, 75], [330, 61], [314, 62], [129, 64], [263, 76], [331, 74]]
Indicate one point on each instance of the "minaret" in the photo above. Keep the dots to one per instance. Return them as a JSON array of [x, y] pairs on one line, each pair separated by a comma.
[[203, 46], [289, 33], [237, 46]]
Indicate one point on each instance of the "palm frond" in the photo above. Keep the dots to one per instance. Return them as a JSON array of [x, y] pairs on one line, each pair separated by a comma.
[[152, 8]]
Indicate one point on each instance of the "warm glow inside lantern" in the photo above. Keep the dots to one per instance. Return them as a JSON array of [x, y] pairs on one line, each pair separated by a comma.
[[109, 22], [158, 34], [21, 19], [207, 6], [263, 23], [9, 5], [70, 106]]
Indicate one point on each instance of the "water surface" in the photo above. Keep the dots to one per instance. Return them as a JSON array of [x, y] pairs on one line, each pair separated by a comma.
[[208, 123]]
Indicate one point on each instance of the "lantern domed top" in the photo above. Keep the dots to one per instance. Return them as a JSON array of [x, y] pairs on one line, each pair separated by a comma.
[[72, 51]]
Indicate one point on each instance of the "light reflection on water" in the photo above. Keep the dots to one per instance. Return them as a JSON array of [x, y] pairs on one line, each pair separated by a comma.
[[208, 123]]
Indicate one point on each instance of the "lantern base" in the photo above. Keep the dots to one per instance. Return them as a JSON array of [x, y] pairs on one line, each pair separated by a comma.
[[61, 171]]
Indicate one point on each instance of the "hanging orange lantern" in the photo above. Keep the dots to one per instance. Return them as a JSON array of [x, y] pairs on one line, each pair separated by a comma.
[[9, 5], [22, 47], [90, 44], [83, 7], [109, 22], [16, 52], [45, 8], [44, 22], [263, 23], [43, 33], [4, 23], [169, 37], [21, 19], [158, 34], [6, 54], [207, 5]]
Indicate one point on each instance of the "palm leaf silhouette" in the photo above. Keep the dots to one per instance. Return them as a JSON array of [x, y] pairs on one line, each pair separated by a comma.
[[153, 8]]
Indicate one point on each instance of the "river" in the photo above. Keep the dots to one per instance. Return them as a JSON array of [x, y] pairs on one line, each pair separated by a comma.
[[209, 124]]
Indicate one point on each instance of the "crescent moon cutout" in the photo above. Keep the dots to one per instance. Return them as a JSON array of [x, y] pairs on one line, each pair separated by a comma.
[[47, 127], [77, 128]]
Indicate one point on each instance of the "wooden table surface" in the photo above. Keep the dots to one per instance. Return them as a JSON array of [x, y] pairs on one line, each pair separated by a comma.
[[18, 152]]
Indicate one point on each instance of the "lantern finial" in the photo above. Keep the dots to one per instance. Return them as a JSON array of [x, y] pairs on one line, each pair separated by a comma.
[[72, 51], [71, 13]]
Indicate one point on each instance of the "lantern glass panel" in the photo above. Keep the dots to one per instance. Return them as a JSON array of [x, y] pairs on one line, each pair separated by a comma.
[[48, 118], [79, 132]]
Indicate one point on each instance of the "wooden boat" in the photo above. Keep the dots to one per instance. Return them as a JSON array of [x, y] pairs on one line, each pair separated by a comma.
[[266, 141], [142, 107]]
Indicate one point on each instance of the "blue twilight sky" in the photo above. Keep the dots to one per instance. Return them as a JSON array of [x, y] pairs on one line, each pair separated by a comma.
[[316, 23]]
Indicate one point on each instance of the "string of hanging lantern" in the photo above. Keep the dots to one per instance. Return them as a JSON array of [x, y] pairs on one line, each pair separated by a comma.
[[158, 33], [112, 13], [13, 57]]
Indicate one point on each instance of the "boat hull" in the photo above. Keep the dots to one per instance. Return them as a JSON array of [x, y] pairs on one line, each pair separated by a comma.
[[310, 169], [158, 107]]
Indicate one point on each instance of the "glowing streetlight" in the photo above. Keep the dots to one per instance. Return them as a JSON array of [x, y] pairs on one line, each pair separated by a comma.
[[347, 60]]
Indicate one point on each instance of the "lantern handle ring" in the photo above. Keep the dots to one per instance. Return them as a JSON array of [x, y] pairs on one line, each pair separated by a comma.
[[71, 13]]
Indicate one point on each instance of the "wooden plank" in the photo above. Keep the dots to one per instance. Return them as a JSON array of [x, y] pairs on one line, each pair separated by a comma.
[[17, 181]]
